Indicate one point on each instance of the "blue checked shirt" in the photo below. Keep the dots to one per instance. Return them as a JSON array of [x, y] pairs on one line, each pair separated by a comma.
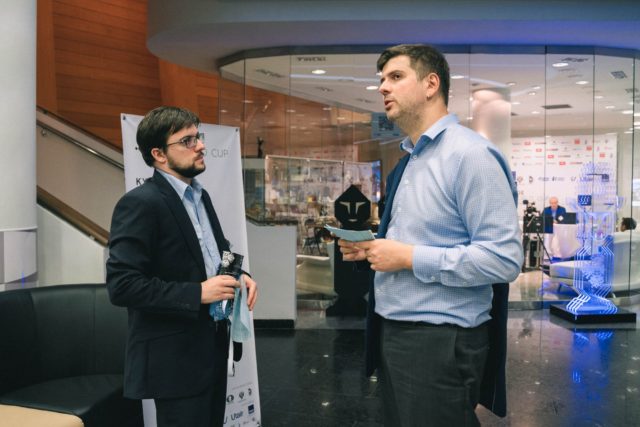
[[456, 202]]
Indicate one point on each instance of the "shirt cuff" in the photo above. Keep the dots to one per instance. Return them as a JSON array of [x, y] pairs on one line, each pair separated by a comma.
[[426, 263]]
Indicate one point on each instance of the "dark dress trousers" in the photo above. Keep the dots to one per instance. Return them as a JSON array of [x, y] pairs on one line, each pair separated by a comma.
[[155, 268], [493, 392]]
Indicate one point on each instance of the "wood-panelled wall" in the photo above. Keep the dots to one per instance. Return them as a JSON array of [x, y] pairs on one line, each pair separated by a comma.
[[93, 64]]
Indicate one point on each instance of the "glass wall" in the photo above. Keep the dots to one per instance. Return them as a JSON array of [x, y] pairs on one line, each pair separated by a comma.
[[551, 110]]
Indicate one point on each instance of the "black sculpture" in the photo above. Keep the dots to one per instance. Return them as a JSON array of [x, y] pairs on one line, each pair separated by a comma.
[[353, 210]]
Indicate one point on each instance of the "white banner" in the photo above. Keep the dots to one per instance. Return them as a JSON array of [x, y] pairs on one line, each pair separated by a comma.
[[223, 181], [544, 169]]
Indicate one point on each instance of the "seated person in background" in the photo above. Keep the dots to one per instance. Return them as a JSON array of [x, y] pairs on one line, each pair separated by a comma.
[[628, 224], [554, 210]]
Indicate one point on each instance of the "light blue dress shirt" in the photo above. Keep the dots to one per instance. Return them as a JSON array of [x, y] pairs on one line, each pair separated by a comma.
[[191, 196], [456, 203]]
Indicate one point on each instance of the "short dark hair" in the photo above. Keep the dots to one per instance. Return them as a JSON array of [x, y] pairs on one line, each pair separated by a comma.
[[629, 223], [424, 59], [158, 125]]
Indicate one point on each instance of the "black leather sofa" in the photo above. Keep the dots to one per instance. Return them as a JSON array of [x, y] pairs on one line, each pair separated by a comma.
[[62, 350]]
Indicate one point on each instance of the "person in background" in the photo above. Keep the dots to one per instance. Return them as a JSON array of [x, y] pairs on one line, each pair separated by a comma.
[[627, 224], [164, 251], [554, 210], [448, 233]]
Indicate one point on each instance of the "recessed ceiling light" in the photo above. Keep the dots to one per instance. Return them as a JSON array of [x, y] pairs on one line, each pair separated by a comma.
[[372, 87], [582, 82], [326, 108], [470, 118], [598, 97], [457, 76], [247, 101], [535, 112], [627, 112], [560, 64], [609, 107], [318, 71], [536, 88], [223, 111], [511, 83], [291, 111], [515, 103], [532, 93]]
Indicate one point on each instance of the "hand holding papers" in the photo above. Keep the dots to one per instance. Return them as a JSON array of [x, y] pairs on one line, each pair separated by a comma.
[[351, 235]]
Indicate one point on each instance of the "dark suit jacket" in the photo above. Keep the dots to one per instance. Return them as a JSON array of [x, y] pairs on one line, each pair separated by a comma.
[[560, 212], [155, 268], [493, 393]]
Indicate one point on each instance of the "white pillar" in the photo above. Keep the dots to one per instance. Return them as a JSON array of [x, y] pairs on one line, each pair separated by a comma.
[[18, 222], [491, 112]]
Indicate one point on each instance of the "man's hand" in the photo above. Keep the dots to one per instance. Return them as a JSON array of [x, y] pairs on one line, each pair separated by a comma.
[[218, 288], [383, 254], [252, 291], [351, 251]]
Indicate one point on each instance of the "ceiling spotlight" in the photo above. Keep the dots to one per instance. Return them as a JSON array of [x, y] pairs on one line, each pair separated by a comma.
[[457, 76], [560, 64], [223, 111], [318, 71], [532, 93], [535, 112], [582, 82], [511, 83], [536, 88], [372, 87]]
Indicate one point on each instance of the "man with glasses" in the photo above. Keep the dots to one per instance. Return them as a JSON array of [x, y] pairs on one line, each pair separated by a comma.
[[164, 251]]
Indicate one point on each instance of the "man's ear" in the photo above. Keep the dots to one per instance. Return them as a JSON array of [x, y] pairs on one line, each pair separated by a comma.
[[159, 155], [432, 85]]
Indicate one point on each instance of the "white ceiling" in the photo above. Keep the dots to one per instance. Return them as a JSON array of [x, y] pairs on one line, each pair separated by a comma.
[[199, 34]]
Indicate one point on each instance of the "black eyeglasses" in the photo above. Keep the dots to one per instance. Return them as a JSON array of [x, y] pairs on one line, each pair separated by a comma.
[[189, 141]]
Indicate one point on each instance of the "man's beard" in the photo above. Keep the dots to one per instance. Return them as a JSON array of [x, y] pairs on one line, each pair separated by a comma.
[[188, 172]]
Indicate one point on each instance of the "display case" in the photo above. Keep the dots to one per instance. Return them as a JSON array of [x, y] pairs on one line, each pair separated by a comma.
[[281, 189]]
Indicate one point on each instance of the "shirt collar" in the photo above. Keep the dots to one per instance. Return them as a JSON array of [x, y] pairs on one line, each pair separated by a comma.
[[429, 135], [182, 187]]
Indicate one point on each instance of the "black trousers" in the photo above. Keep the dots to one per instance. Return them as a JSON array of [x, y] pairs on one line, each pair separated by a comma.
[[430, 374], [205, 409]]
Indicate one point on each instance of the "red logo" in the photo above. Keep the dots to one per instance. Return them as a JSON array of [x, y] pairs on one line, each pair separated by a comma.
[[550, 156]]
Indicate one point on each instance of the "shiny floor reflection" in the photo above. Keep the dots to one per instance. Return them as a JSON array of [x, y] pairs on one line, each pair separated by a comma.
[[557, 375]]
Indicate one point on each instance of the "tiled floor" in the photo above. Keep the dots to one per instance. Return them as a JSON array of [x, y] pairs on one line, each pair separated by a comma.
[[557, 375]]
